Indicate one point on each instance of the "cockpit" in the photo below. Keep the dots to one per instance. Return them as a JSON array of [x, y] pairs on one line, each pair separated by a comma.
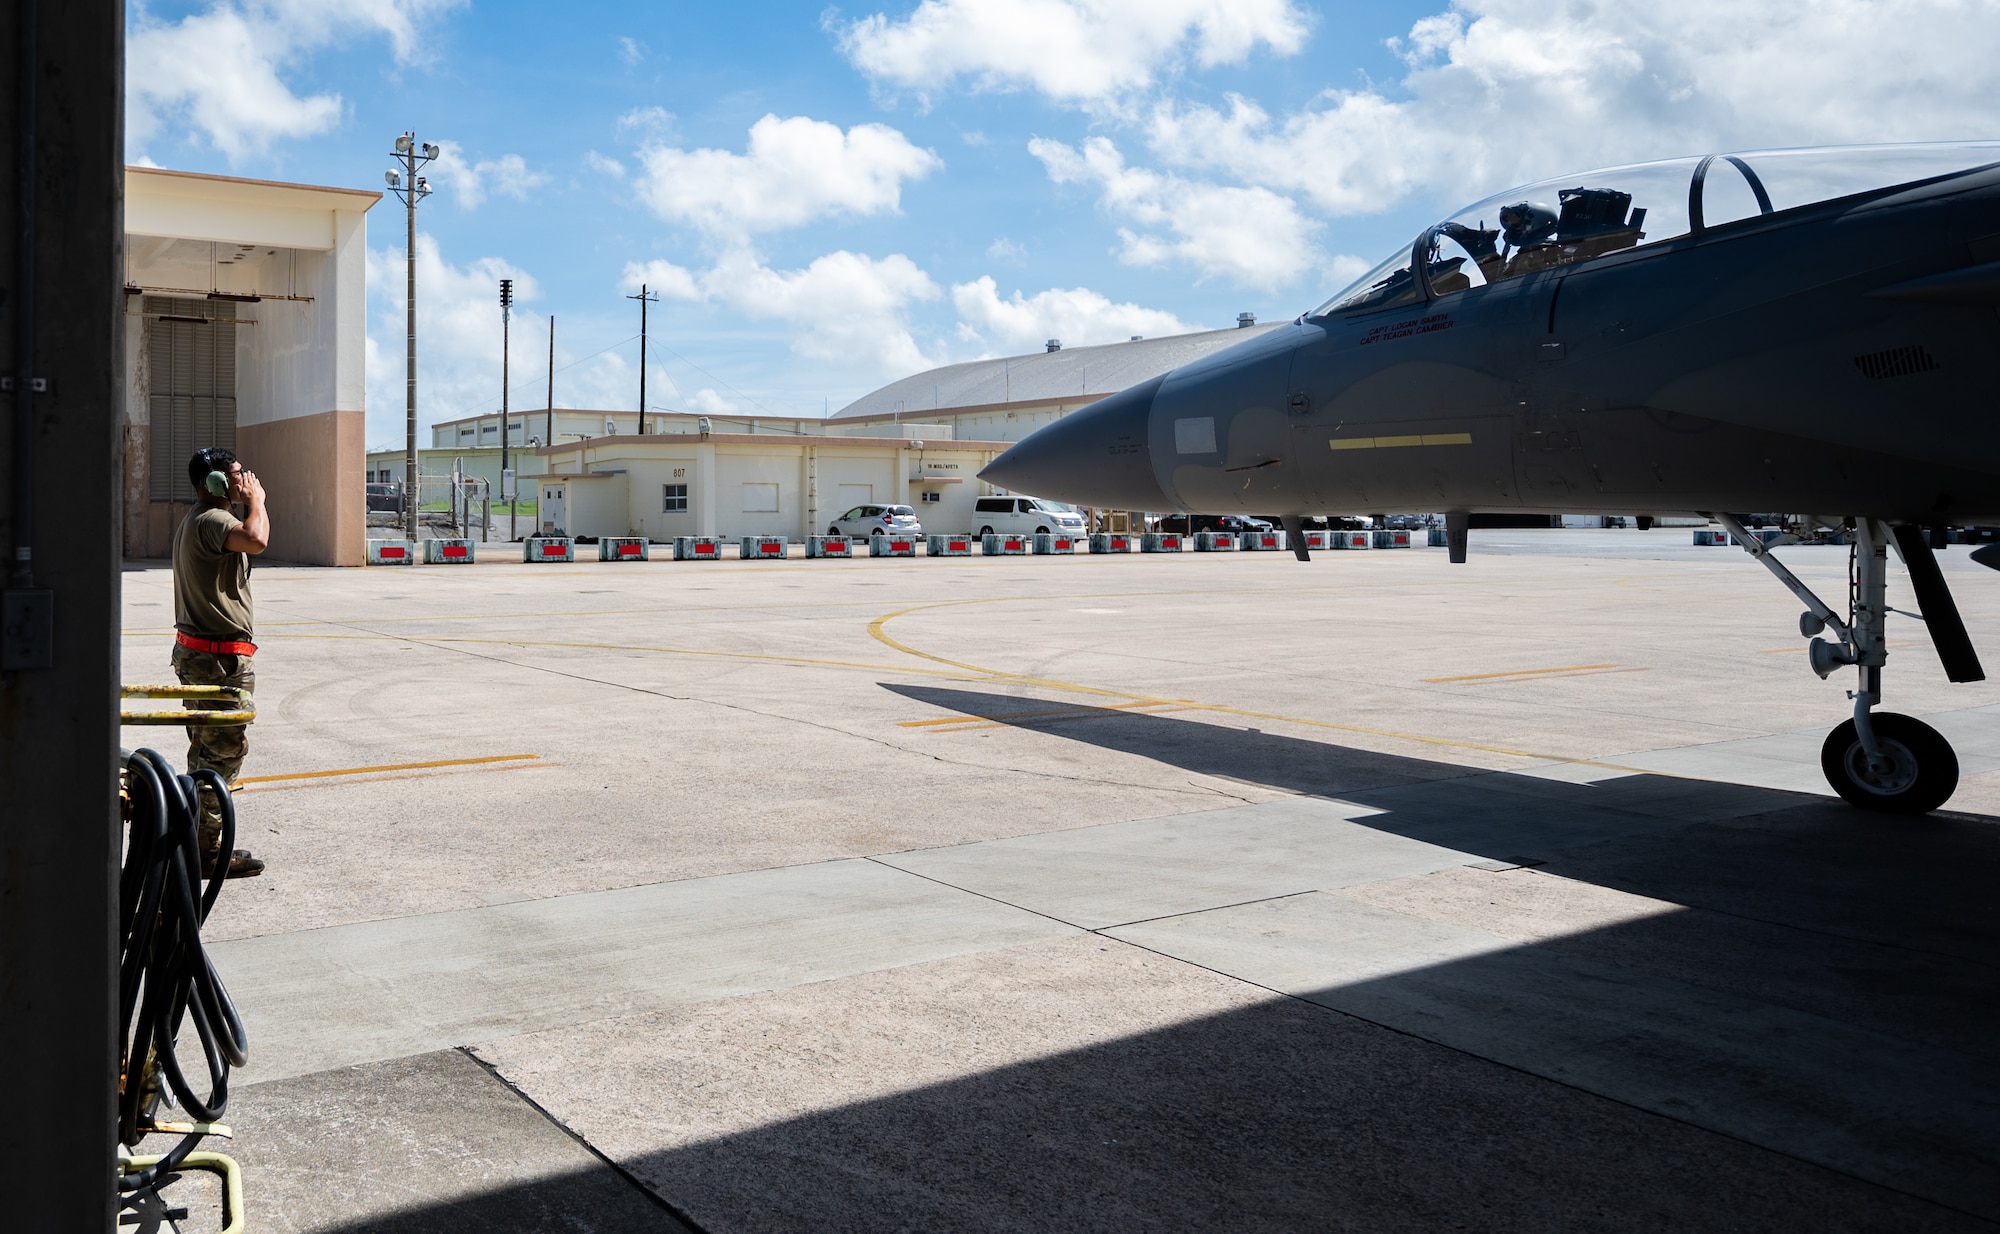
[[1562, 222]]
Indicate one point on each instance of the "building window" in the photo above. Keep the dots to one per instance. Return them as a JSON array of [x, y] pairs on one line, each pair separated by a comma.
[[675, 498], [933, 495]]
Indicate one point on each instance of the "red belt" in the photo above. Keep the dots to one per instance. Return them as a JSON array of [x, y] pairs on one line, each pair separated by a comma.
[[214, 648]]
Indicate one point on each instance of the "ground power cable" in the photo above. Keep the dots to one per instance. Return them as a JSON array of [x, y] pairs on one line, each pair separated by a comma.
[[165, 975]]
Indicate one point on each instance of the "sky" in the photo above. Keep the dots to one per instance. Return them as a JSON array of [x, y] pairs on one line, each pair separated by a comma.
[[827, 199]]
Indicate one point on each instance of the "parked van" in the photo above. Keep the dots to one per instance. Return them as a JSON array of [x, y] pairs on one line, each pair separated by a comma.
[[1022, 516]]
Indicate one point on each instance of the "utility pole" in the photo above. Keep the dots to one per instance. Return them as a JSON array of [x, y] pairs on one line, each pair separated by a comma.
[[549, 430], [507, 482], [411, 188], [644, 298]]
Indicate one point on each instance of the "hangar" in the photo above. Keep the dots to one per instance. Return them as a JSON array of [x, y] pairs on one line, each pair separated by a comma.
[[245, 328]]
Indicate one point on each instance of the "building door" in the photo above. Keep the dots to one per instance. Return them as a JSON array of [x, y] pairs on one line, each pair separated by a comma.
[[551, 512], [191, 376]]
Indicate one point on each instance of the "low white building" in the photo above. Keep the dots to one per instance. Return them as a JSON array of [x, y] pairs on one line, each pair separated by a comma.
[[743, 484], [245, 318]]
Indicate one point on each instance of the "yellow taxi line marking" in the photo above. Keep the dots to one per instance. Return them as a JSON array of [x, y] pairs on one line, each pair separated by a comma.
[[1521, 672], [362, 771], [876, 631], [384, 779]]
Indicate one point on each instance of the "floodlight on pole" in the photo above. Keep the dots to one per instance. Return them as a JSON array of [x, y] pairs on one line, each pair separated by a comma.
[[410, 188], [508, 485]]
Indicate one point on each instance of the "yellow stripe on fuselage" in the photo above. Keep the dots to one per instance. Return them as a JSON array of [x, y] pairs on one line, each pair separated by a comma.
[[1393, 443]]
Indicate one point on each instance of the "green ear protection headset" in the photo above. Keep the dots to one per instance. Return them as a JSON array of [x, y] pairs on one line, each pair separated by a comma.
[[217, 483]]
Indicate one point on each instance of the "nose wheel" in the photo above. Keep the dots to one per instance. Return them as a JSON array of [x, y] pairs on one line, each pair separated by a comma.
[[1914, 772], [1878, 760]]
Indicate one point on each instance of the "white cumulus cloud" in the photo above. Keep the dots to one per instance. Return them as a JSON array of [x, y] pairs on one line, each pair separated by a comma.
[[1074, 51], [846, 309], [506, 176], [1504, 91], [1249, 235], [1076, 315], [220, 73], [795, 171]]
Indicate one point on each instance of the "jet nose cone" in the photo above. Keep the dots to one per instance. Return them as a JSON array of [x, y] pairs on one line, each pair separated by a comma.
[[1097, 456]]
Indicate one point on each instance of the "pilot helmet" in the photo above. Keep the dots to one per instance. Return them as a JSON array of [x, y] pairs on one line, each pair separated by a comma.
[[1527, 222]]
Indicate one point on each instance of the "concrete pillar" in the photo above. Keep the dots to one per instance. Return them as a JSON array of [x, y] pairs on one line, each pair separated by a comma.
[[59, 837], [704, 489]]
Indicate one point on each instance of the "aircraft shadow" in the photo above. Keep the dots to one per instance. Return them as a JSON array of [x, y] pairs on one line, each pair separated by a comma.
[[1798, 1037]]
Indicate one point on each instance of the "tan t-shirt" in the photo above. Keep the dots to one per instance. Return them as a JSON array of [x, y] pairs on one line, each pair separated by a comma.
[[211, 584]]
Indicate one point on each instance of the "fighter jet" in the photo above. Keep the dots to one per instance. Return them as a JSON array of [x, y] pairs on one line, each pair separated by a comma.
[[1810, 330]]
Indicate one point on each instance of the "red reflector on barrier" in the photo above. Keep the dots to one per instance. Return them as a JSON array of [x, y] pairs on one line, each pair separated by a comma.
[[704, 550], [628, 550], [961, 546], [388, 554], [1118, 542], [552, 550], [452, 550], [900, 546], [1172, 541], [1012, 546]]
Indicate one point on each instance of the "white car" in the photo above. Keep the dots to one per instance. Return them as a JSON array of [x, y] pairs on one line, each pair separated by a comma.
[[867, 521], [1022, 516]]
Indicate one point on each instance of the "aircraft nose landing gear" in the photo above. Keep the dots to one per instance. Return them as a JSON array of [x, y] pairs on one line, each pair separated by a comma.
[[1879, 760], [1913, 771]]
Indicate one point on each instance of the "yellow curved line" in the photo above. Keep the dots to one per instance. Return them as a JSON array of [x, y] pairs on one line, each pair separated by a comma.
[[877, 632]]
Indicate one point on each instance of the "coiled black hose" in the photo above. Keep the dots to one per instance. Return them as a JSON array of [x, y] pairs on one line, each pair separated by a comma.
[[164, 974]]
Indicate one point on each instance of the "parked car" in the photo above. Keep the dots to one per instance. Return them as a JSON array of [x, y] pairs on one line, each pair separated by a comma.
[[877, 520], [385, 497], [1022, 516], [1189, 524]]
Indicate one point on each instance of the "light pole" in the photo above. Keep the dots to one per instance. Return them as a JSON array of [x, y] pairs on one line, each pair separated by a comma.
[[410, 188], [507, 481], [644, 298]]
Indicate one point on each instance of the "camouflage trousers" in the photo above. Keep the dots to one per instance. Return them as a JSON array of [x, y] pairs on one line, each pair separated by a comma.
[[221, 750]]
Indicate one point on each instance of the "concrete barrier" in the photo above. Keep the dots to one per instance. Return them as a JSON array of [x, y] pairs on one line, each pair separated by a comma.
[[1386, 538], [1262, 541], [892, 546], [1002, 546], [448, 552], [1351, 539], [829, 546], [1214, 542], [949, 546], [1439, 537], [391, 553], [763, 548], [1162, 542], [623, 548], [1708, 537], [1111, 542], [1764, 535], [548, 548], [697, 548], [1045, 542], [1318, 539]]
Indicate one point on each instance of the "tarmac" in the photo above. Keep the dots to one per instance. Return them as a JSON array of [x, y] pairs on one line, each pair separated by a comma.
[[1098, 893]]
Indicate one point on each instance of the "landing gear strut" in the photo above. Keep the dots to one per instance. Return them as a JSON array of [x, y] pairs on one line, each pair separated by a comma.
[[1878, 760]]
